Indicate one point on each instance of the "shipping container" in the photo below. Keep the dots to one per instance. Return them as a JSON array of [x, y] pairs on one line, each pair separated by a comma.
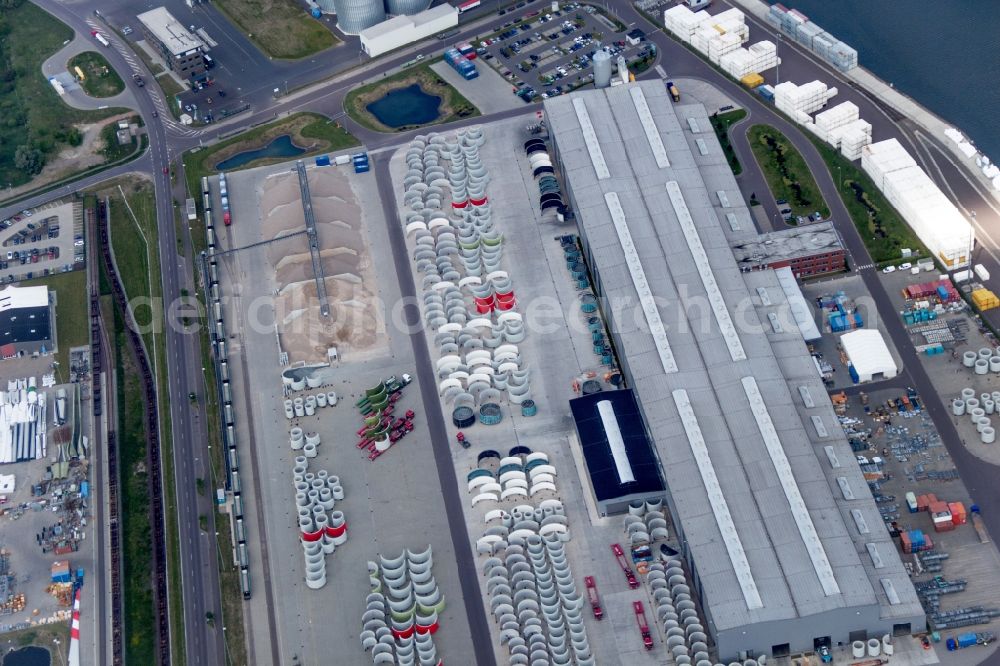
[[911, 502], [766, 91], [981, 272]]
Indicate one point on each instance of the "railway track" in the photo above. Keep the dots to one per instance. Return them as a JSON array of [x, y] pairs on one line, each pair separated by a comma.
[[155, 487]]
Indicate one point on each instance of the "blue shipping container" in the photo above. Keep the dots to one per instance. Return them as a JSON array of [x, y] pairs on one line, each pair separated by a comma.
[[942, 293], [854, 374], [361, 168], [84, 489], [968, 639], [323, 160]]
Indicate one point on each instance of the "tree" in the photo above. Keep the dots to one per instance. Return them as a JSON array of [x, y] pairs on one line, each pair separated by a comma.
[[29, 159], [10, 4]]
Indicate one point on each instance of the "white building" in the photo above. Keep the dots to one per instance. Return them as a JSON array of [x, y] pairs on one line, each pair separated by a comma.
[[869, 354], [402, 30]]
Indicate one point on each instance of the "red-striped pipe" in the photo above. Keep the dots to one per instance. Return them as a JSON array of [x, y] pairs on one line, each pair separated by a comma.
[[74, 633], [459, 204], [312, 536], [336, 531], [479, 202]]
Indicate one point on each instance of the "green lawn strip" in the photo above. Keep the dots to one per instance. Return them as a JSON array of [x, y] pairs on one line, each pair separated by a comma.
[[454, 105], [279, 28], [100, 78], [882, 229], [72, 317], [311, 130], [135, 265], [721, 122], [794, 183], [139, 612], [33, 114]]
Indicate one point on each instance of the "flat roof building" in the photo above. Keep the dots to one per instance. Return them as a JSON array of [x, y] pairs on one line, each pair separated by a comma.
[[406, 29], [786, 546], [620, 461], [181, 49], [25, 321], [814, 249]]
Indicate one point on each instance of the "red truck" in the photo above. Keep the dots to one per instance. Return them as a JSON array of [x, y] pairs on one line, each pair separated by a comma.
[[633, 582], [595, 601], [640, 619]]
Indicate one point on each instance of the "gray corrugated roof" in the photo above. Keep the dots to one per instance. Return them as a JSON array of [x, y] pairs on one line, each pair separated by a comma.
[[780, 564]]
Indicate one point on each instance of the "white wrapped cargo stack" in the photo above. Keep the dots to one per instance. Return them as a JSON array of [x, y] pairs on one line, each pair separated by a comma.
[[683, 22], [852, 138], [807, 98], [837, 116], [758, 58], [936, 221], [720, 45]]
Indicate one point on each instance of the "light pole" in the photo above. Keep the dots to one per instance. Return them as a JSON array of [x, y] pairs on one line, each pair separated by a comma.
[[777, 57]]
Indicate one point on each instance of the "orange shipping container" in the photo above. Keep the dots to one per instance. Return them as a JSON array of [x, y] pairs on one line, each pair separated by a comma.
[[944, 526], [938, 507], [957, 512]]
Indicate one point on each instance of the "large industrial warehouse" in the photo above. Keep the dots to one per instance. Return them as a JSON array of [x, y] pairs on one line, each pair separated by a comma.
[[786, 547]]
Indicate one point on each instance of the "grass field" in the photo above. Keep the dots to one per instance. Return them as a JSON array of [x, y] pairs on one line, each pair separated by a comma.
[[786, 172], [312, 131], [100, 79], [453, 105], [882, 229], [139, 631], [32, 113], [280, 28], [721, 122], [72, 318]]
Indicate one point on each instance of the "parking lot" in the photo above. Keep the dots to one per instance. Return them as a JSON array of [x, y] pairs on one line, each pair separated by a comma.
[[41, 241], [544, 54]]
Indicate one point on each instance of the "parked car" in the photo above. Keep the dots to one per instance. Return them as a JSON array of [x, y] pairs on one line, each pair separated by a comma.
[[889, 269]]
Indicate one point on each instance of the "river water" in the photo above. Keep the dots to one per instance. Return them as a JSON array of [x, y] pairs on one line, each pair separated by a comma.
[[942, 53]]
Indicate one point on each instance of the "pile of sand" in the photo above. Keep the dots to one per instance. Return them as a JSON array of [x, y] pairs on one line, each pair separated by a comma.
[[355, 323]]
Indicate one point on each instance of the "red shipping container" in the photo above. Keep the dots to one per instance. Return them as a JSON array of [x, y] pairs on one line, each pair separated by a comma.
[[904, 540], [921, 502], [944, 526], [957, 509], [931, 498]]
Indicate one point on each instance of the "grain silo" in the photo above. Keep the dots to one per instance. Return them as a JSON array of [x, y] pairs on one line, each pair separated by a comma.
[[602, 69], [408, 7], [353, 16]]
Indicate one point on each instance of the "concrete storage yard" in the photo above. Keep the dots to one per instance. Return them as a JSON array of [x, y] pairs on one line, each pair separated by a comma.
[[46, 524], [557, 351], [391, 503]]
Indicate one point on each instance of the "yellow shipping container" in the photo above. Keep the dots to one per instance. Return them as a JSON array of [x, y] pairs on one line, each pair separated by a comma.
[[984, 299], [752, 80]]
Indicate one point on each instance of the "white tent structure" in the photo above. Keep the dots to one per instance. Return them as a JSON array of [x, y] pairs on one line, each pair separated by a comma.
[[869, 354]]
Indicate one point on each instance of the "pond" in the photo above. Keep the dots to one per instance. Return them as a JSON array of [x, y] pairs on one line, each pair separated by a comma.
[[406, 106], [29, 656], [279, 147]]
